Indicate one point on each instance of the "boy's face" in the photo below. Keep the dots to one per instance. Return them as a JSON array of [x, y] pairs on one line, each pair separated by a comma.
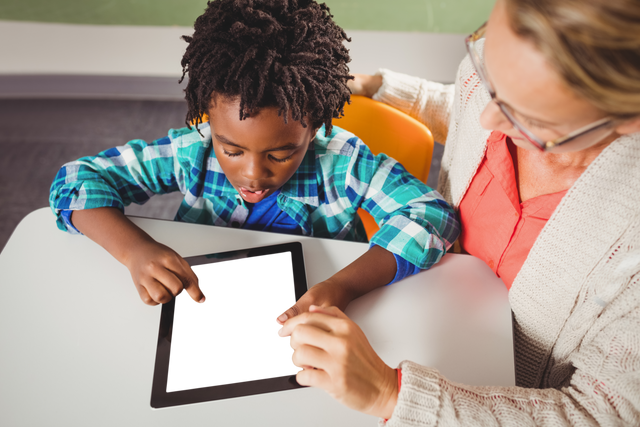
[[260, 153]]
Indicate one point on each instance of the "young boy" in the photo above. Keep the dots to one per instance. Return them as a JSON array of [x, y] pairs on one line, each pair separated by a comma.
[[270, 75]]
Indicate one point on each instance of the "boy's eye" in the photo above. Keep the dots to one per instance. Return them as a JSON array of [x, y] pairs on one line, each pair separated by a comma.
[[237, 153], [275, 159]]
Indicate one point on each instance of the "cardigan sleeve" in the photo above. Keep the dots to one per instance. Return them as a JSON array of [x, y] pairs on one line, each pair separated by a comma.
[[426, 101], [603, 388]]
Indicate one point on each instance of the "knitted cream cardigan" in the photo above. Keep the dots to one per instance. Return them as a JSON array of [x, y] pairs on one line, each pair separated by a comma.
[[576, 300]]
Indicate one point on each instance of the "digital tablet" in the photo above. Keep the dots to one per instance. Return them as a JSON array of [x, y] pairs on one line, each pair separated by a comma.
[[229, 345]]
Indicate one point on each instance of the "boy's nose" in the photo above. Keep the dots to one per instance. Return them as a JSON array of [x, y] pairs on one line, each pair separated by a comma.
[[254, 169]]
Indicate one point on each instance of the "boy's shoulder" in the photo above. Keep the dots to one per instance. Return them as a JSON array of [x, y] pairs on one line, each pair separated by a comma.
[[185, 137], [339, 142]]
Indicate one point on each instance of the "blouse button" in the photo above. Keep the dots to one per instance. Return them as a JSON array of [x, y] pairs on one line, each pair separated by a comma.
[[491, 265]]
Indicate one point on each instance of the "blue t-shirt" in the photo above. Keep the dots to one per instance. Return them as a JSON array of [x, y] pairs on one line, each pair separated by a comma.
[[266, 215]]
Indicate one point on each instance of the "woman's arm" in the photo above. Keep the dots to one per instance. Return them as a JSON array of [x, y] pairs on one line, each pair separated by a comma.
[[428, 102], [336, 356], [604, 388], [365, 84]]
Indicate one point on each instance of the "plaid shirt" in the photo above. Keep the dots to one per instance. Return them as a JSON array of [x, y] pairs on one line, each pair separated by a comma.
[[338, 175]]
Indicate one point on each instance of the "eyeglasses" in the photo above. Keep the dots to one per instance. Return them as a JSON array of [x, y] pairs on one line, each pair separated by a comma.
[[581, 138]]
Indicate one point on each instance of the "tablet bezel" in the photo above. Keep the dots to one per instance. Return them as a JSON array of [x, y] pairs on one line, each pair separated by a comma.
[[159, 396]]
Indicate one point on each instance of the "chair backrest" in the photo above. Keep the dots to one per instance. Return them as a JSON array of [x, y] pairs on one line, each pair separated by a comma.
[[388, 130]]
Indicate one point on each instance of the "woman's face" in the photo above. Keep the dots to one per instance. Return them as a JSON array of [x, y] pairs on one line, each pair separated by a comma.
[[524, 80]]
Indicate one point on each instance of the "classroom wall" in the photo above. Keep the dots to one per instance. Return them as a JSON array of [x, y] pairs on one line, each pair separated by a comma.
[[436, 16], [132, 48]]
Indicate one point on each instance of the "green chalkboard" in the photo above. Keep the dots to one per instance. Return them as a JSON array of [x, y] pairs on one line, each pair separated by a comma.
[[442, 16]]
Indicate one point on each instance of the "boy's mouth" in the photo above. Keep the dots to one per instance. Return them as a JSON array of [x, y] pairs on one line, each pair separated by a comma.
[[252, 196]]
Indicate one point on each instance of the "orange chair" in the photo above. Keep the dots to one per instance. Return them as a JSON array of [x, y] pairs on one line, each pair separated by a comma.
[[387, 130]]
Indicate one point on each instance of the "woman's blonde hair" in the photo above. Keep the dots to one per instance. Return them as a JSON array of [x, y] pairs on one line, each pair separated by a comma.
[[593, 44]]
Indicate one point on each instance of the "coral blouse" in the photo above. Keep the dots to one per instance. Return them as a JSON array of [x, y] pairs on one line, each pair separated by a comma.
[[496, 227]]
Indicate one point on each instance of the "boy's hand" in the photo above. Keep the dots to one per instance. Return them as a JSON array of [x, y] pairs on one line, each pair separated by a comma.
[[324, 294], [159, 274], [373, 269]]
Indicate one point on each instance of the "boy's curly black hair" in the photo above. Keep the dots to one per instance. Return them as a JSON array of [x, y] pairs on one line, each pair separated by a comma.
[[268, 53]]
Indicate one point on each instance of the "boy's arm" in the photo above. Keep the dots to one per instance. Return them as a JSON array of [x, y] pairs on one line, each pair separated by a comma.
[[89, 196], [158, 272], [116, 177], [416, 225], [375, 268]]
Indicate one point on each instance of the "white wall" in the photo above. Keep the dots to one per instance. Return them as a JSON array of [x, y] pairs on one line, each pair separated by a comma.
[[38, 58]]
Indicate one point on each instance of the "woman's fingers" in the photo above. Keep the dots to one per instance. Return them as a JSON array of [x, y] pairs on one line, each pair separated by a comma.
[[364, 84], [321, 318], [331, 311], [347, 366], [311, 317]]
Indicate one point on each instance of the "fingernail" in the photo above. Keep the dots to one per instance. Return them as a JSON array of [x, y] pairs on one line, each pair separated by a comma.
[[283, 317], [280, 331], [202, 299]]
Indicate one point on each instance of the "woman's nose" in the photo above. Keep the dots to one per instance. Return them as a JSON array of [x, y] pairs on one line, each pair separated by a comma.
[[492, 118]]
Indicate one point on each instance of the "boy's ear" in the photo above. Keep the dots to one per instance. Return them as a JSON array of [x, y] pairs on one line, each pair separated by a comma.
[[313, 135]]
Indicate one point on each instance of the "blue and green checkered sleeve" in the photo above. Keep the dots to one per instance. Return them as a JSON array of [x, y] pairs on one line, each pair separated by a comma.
[[416, 223], [116, 178]]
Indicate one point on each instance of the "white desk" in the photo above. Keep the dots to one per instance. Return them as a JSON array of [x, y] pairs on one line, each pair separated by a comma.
[[77, 346]]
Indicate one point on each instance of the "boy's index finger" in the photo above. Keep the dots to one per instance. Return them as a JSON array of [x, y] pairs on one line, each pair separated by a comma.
[[193, 288]]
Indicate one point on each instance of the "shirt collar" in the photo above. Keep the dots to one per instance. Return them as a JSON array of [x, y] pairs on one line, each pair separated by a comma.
[[303, 185]]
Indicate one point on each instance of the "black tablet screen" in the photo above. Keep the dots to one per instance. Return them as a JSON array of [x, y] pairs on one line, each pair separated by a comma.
[[232, 337]]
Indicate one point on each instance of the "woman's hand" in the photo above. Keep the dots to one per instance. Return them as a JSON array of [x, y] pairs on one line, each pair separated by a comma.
[[159, 273], [364, 84], [336, 356]]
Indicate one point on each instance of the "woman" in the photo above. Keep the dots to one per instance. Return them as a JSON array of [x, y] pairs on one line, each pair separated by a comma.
[[542, 162]]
